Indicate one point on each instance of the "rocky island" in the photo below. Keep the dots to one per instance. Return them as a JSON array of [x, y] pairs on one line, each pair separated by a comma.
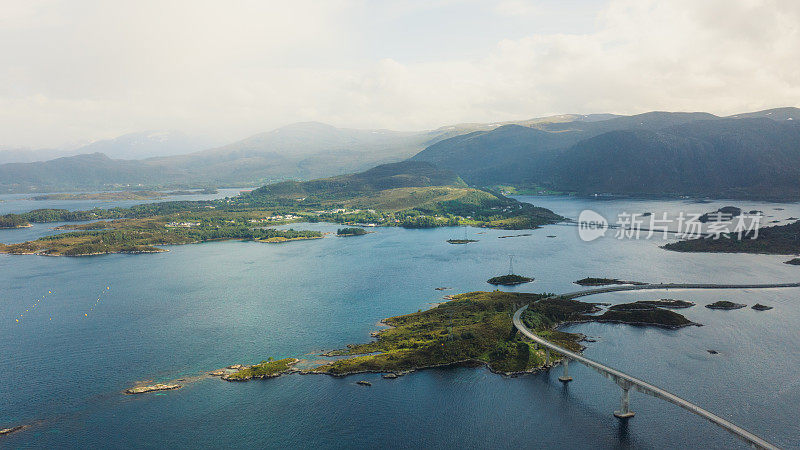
[[153, 388], [643, 313], [509, 280], [353, 231], [775, 240], [591, 281], [724, 304], [665, 303]]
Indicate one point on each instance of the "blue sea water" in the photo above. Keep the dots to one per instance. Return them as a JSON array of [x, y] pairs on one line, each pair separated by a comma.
[[204, 306]]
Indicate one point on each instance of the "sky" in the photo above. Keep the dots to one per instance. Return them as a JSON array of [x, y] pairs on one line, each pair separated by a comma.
[[76, 71]]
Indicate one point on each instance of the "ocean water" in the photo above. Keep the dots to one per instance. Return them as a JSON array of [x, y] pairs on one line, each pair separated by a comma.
[[204, 306]]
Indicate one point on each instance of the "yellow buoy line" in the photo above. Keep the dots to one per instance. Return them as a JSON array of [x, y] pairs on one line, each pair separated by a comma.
[[97, 302], [32, 307]]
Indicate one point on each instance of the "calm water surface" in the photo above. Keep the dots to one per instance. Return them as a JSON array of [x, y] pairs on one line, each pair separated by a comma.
[[201, 307]]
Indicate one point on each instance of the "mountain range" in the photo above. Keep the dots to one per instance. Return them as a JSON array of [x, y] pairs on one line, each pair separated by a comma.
[[753, 154]]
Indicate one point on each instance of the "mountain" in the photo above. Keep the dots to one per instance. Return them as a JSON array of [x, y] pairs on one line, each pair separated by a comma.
[[747, 155], [139, 145], [24, 155], [778, 114], [299, 151], [85, 172], [145, 144], [725, 157], [551, 151]]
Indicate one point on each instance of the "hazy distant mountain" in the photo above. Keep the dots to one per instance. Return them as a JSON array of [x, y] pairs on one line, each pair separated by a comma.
[[139, 145], [24, 155], [146, 144], [779, 114], [83, 172], [567, 151], [299, 151], [747, 155]]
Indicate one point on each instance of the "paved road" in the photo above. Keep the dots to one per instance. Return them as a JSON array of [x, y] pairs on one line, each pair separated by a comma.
[[627, 382]]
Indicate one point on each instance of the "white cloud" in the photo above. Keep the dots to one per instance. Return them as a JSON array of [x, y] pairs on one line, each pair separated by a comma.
[[95, 69]]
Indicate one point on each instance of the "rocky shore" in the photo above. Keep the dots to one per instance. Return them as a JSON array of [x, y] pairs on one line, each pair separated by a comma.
[[152, 388]]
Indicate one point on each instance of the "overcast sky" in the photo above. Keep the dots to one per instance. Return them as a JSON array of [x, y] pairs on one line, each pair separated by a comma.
[[76, 70]]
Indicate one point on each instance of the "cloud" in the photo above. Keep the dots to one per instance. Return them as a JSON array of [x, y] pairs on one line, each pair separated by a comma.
[[95, 69]]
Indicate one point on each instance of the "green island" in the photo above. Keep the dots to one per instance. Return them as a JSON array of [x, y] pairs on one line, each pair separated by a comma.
[[724, 214], [775, 240], [724, 304], [351, 231], [643, 313], [509, 280], [793, 262], [663, 303], [591, 281], [265, 369], [408, 194], [13, 221], [461, 241], [476, 329]]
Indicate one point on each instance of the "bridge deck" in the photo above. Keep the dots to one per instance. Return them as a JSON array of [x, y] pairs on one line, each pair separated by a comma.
[[627, 382]]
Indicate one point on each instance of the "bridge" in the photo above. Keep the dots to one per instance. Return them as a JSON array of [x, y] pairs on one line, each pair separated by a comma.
[[627, 382]]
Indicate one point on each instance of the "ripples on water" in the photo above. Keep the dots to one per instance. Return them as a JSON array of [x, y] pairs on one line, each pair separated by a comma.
[[200, 307]]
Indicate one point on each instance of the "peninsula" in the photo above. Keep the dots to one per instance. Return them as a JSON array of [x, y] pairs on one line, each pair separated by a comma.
[[408, 194]]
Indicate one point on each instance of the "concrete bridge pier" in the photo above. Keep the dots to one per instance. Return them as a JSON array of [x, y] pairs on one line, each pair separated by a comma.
[[565, 378], [624, 406]]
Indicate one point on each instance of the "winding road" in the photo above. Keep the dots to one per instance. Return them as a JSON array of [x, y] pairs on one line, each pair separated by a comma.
[[627, 382]]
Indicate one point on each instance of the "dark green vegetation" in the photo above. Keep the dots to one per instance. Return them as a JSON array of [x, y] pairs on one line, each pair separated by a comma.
[[760, 307], [476, 328], [777, 240], [142, 235], [461, 241], [591, 281], [351, 231], [472, 328], [793, 262], [402, 194], [664, 303], [645, 313], [724, 304], [509, 280], [13, 221], [264, 369], [748, 156]]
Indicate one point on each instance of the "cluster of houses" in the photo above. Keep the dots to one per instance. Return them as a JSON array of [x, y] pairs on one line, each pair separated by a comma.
[[182, 224], [275, 218]]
